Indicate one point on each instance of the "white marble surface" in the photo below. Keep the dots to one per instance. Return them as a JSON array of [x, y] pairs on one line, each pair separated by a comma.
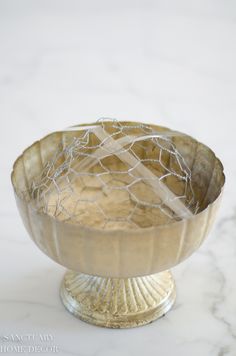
[[168, 62]]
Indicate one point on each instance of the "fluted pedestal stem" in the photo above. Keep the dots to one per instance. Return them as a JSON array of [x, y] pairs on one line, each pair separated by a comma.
[[118, 302]]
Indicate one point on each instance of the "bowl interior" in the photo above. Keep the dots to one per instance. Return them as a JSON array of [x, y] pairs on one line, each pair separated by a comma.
[[106, 195]]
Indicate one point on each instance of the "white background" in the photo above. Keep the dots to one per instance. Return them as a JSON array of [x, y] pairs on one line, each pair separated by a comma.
[[172, 63]]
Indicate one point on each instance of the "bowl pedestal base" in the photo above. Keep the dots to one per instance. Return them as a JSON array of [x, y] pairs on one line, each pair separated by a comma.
[[118, 302]]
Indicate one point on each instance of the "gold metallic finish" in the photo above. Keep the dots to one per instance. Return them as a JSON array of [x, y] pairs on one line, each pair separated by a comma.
[[118, 302], [118, 279]]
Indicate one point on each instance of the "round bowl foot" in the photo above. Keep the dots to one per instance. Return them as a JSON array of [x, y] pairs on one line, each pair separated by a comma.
[[118, 302]]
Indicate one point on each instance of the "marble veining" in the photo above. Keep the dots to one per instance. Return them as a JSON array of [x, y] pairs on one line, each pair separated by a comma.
[[168, 62]]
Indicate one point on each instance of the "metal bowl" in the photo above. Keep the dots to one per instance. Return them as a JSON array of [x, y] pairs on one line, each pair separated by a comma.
[[119, 278]]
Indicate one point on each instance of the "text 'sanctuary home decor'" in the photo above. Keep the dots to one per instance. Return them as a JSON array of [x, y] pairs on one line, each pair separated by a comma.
[[118, 204]]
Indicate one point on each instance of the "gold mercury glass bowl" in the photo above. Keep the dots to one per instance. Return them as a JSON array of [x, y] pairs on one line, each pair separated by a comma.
[[118, 276]]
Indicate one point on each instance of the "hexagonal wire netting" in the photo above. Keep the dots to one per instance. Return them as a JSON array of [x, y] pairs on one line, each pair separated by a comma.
[[116, 175]]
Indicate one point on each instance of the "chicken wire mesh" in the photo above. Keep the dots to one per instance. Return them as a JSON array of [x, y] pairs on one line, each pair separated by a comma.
[[114, 175]]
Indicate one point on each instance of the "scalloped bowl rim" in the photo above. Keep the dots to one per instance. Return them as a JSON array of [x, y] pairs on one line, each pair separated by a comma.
[[130, 231]]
